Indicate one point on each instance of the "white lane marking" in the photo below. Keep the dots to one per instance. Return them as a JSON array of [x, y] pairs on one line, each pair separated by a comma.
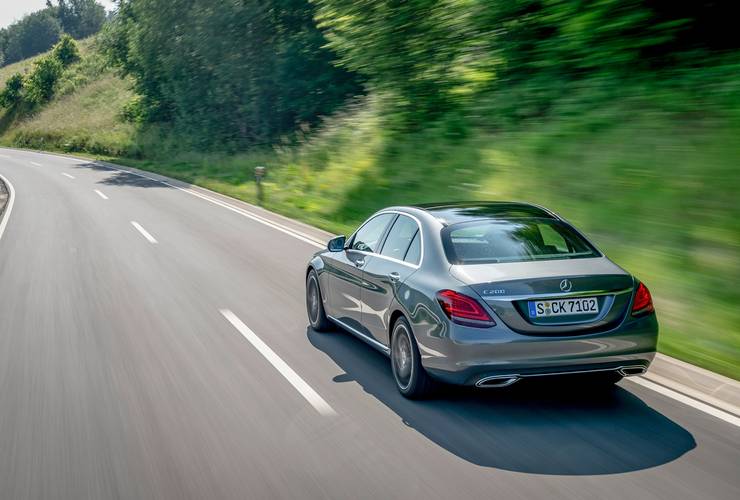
[[262, 220], [303, 237], [5, 156], [36, 164], [300, 385], [143, 232], [101, 194], [8, 207], [65, 174], [710, 410]]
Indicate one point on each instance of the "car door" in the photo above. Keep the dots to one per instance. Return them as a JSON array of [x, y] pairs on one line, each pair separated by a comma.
[[346, 273], [385, 272]]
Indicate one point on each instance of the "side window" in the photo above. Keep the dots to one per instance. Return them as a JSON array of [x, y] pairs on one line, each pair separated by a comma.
[[368, 236], [399, 237], [413, 254]]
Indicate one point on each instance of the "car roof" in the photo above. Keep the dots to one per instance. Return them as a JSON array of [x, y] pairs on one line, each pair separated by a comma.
[[454, 212]]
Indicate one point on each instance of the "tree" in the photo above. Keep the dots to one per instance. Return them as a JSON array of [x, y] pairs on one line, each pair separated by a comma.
[[41, 83], [65, 51], [79, 18], [235, 73], [33, 34], [12, 94]]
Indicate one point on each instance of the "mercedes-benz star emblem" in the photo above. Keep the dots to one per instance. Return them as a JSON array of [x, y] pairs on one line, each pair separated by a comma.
[[565, 285]]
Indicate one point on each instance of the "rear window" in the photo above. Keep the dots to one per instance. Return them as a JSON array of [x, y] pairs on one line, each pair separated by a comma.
[[492, 241]]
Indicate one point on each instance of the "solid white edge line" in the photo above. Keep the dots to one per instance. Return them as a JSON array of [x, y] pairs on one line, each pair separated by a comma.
[[35, 164], [710, 410], [300, 385], [284, 229], [65, 174], [143, 232], [307, 239], [100, 194], [8, 207]]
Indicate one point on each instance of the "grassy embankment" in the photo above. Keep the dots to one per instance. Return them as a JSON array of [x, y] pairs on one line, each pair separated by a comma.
[[651, 174]]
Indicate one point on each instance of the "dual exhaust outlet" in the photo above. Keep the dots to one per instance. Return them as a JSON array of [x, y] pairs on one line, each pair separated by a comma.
[[499, 381]]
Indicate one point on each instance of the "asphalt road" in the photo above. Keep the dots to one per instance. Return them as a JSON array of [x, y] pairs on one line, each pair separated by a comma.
[[122, 374]]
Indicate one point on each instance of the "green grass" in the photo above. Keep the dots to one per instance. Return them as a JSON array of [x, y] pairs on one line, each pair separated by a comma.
[[655, 184], [85, 46]]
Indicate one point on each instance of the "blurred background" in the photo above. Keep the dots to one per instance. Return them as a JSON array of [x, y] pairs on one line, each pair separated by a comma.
[[621, 115]]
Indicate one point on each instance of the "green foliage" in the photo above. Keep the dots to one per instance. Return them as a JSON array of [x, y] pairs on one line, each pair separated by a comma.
[[33, 34], [41, 83], [80, 18], [12, 94], [243, 73], [39, 31], [66, 51], [436, 55]]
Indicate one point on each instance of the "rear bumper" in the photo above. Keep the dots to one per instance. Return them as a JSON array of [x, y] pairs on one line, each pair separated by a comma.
[[467, 356]]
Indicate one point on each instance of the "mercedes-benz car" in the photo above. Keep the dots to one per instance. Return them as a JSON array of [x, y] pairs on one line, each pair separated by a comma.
[[482, 294]]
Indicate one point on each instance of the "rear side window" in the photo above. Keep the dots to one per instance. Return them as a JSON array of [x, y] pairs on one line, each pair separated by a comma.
[[399, 237], [368, 237], [516, 240], [413, 254]]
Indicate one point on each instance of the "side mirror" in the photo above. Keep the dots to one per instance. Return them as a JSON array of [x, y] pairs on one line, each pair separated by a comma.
[[336, 244]]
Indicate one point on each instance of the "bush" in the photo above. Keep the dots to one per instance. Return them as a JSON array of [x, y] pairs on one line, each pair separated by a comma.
[[66, 51], [40, 84], [13, 92]]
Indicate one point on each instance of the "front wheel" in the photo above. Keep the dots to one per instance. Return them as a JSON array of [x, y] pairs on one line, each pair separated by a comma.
[[411, 379], [314, 305]]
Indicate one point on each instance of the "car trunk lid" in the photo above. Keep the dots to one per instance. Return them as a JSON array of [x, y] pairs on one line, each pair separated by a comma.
[[508, 288]]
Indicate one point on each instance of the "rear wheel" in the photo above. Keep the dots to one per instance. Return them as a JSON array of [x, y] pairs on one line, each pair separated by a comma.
[[411, 379], [314, 304]]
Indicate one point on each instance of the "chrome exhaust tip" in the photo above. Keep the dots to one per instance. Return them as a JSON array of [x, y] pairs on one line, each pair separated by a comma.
[[628, 371], [497, 381]]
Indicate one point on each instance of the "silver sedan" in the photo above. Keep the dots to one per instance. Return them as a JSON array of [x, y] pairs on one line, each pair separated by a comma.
[[482, 294]]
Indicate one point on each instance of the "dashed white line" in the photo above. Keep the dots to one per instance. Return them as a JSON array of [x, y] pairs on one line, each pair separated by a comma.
[[36, 164], [102, 195], [143, 232], [308, 239], [300, 385], [257, 218], [65, 174], [8, 207], [711, 410]]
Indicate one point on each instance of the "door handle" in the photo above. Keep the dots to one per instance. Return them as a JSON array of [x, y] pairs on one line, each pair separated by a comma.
[[360, 262], [394, 276]]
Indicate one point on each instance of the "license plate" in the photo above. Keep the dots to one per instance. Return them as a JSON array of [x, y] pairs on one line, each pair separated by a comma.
[[563, 307]]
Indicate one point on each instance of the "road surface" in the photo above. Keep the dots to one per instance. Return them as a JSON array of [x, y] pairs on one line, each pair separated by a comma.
[[154, 344]]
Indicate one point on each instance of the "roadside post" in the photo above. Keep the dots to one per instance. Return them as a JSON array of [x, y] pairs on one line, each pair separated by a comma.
[[259, 174]]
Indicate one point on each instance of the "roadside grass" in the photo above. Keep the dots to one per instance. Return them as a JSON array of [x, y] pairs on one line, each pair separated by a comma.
[[85, 46], [654, 184]]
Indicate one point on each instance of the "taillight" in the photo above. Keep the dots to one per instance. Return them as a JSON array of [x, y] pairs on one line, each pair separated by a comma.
[[643, 302], [463, 309]]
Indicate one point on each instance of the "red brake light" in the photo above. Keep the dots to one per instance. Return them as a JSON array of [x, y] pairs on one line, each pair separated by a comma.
[[643, 302], [463, 309]]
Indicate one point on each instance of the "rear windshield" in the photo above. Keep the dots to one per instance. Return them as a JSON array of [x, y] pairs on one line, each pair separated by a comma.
[[491, 241]]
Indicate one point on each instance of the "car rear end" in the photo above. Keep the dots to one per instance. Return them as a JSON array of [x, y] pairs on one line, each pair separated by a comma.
[[541, 309]]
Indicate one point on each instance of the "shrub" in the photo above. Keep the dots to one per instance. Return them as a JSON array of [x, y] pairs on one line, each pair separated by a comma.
[[40, 84], [13, 92], [66, 51]]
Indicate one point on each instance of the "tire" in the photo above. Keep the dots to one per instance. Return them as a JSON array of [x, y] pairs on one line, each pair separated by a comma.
[[315, 305], [411, 379]]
